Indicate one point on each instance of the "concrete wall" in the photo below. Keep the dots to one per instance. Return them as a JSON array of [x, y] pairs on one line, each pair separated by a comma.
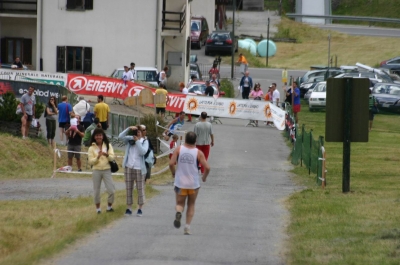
[[205, 8], [119, 32], [20, 28]]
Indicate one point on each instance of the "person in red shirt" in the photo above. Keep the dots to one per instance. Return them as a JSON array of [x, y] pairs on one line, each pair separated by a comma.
[[213, 71], [173, 143]]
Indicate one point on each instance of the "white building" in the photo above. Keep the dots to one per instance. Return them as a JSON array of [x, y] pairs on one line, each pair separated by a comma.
[[97, 36]]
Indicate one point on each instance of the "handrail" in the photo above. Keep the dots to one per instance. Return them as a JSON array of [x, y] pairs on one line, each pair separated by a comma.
[[337, 17]]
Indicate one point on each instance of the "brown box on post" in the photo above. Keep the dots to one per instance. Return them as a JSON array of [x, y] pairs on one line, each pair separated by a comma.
[[335, 116]]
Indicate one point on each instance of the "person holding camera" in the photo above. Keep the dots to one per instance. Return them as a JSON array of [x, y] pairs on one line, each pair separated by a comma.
[[134, 165]]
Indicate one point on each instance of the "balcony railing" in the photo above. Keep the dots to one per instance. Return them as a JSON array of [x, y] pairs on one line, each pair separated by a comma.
[[173, 20], [18, 7]]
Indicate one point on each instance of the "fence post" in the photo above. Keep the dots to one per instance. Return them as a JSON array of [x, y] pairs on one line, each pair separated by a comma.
[[301, 146], [309, 159]]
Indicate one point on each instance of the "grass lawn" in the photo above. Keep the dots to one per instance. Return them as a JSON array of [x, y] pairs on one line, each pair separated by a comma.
[[359, 227], [312, 48], [34, 230]]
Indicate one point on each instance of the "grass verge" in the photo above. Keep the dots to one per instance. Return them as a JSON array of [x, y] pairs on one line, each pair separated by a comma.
[[312, 48], [362, 226]]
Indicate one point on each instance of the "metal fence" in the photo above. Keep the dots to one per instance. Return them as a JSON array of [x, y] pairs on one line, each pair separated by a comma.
[[306, 150]]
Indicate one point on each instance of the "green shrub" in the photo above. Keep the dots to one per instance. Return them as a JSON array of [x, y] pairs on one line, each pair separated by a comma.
[[150, 121], [8, 106], [227, 87]]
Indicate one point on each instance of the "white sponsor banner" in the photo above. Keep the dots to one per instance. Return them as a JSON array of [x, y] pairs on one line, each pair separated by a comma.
[[236, 108], [34, 76]]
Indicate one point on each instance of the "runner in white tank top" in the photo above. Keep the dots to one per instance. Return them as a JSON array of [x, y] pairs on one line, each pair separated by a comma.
[[187, 178]]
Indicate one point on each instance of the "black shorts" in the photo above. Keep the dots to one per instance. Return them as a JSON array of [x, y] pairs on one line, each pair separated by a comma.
[[371, 115], [30, 118], [158, 110], [104, 125], [170, 134], [62, 124]]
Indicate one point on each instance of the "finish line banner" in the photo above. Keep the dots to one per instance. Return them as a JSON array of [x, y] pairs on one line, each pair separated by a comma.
[[236, 109]]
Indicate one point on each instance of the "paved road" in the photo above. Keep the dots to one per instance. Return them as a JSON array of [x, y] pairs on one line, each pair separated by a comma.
[[240, 218]]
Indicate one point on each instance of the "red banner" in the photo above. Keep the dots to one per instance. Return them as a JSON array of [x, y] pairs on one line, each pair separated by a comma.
[[111, 87]]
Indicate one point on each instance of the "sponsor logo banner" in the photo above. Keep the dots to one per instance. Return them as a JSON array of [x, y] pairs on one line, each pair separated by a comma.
[[59, 79], [116, 88], [237, 109]]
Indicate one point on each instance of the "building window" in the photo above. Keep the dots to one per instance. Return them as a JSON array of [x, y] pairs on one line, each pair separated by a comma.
[[74, 59], [79, 4], [12, 48]]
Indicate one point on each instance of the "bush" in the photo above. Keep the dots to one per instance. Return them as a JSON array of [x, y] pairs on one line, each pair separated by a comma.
[[8, 106], [150, 122], [227, 87]]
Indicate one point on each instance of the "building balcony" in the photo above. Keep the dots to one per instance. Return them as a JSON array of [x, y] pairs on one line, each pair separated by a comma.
[[173, 20], [18, 7]]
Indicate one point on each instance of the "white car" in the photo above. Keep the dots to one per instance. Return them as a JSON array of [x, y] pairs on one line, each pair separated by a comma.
[[144, 74], [318, 97]]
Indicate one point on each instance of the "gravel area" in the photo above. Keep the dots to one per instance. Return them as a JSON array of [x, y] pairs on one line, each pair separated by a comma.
[[49, 188]]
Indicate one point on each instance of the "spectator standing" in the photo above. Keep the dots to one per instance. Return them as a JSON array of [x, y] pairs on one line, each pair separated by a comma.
[[185, 91], [100, 153], [214, 71], [174, 125], [275, 95], [102, 111], [163, 76], [288, 94], [88, 120], [75, 144], [246, 83], [257, 94], [209, 91], [173, 144], [64, 111], [372, 106], [296, 101], [148, 168], [192, 79], [187, 179], [133, 71], [81, 108], [134, 165], [50, 114], [205, 136], [89, 132], [127, 75], [28, 101], [160, 107], [215, 80], [244, 65]]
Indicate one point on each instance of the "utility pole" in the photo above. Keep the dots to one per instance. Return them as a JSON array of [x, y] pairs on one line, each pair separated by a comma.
[[266, 56], [233, 41]]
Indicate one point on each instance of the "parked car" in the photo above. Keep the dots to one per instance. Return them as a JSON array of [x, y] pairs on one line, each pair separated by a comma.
[[198, 88], [318, 97], [195, 70], [144, 74], [315, 73], [371, 75], [199, 31], [392, 64], [387, 96], [220, 42], [309, 85]]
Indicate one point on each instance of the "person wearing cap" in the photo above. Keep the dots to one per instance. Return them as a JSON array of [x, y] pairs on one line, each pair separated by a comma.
[[133, 71], [127, 75], [81, 108]]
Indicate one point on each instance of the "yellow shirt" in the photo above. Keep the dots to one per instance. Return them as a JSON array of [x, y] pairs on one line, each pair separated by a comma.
[[101, 163], [158, 92], [101, 110]]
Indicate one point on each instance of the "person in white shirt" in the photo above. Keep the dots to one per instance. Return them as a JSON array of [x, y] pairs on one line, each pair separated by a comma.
[[163, 76], [275, 95], [184, 168], [133, 72], [127, 75]]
